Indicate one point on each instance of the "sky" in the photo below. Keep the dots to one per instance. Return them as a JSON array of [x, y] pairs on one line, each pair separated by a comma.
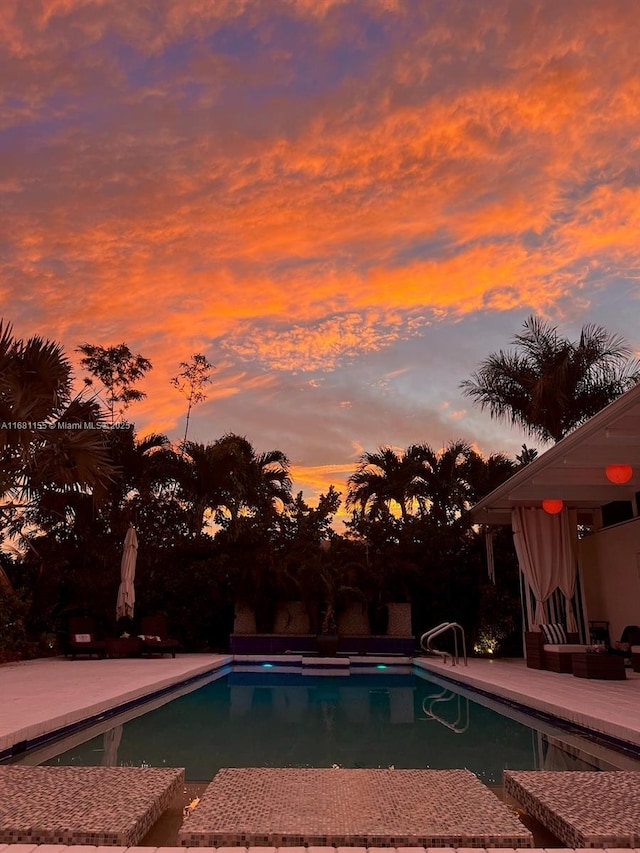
[[344, 204]]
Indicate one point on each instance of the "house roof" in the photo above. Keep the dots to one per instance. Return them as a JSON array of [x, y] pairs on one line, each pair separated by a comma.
[[574, 468]]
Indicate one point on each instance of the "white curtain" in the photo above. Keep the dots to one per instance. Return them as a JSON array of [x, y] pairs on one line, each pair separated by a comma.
[[567, 562], [491, 566], [543, 546]]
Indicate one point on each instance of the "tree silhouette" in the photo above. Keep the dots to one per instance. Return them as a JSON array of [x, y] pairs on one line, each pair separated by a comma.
[[385, 478], [118, 369], [190, 382], [548, 384]]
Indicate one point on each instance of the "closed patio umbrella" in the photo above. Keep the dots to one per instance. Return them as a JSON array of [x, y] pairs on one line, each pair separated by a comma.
[[126, 592]]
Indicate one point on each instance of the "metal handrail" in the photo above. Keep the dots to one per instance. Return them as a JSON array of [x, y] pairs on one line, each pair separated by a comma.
[[432, 633]]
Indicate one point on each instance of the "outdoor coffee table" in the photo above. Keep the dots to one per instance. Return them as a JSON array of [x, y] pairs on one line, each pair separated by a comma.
[[597, 665]]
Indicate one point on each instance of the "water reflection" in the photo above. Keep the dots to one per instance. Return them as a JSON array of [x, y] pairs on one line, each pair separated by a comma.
[[288, 720], [449, 709]]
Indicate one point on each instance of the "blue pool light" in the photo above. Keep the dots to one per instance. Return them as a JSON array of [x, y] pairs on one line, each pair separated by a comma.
[[267, 664], [381, 666]]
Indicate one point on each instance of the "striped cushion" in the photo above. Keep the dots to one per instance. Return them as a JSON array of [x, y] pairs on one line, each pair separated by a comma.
[[554, 634]]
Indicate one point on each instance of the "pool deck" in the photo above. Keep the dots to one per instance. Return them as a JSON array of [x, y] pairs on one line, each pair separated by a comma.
[[41, 696], [44, 695]]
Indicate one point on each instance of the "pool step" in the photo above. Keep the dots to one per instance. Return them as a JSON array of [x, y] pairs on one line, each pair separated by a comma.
[[323, 666]]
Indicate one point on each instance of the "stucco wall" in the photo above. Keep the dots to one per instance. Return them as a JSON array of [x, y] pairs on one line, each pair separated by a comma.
[[610, 561]]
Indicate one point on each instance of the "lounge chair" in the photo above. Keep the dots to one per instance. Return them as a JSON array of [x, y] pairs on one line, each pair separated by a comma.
[[83, 639], [154, 636], [551, 648]]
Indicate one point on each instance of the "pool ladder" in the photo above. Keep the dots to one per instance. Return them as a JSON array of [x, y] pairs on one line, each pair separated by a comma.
[[428, 637]]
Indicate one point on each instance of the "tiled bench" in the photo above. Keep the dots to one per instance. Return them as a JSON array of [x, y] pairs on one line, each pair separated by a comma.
[[295, 807], [581, 808], [83, 805]]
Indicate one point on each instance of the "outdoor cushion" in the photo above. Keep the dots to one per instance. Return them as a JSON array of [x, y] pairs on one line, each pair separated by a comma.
[[635, 650], [553, 634], [564, 647], [82, 638]]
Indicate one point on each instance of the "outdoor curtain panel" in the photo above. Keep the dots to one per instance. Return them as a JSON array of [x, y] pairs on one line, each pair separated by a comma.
[[545, 552]]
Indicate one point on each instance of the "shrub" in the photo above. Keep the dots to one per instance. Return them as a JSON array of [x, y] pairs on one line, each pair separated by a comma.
[[14, 640]]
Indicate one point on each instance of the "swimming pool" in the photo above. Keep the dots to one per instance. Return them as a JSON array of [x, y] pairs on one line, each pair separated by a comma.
[[264, 718]]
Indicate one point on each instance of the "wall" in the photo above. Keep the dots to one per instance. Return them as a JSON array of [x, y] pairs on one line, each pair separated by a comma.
[[610, 561]]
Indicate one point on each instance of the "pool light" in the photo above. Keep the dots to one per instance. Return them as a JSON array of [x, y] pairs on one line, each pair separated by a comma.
[[267, 664], [381, 666]]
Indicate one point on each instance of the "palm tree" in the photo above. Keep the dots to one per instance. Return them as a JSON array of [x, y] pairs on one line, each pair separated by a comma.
[[202, 475], [549, 385], [229, 476], [486, 474], [447, 491], [387, 478], [53, 452], [142, 463], [49, 439], [256, 483]]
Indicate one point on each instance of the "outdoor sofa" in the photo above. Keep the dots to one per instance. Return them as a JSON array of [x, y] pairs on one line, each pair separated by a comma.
[[551, 648]]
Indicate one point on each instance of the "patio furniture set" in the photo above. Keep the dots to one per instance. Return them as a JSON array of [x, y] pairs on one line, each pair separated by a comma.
[[152, 639], [551, 648]]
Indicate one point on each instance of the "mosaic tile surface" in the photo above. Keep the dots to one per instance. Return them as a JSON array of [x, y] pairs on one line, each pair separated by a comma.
[[356, 808], [582, 809], [83, 805]]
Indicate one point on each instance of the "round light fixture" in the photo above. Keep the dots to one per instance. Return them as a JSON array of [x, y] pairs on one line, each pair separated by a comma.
[[619, 474], [552, 505]]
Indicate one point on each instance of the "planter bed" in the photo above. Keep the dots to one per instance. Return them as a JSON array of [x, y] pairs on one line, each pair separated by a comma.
[[278, 644]]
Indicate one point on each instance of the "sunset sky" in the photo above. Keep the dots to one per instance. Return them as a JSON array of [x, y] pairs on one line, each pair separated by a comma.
[[344, 204]]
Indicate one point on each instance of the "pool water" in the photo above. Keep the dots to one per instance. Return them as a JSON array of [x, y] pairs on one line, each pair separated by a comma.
[[267, 719]]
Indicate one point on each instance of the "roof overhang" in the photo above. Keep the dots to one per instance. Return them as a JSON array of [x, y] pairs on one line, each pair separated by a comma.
[[573, 470]]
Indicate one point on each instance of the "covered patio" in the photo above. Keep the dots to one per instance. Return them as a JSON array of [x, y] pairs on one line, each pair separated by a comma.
[[592, 478]]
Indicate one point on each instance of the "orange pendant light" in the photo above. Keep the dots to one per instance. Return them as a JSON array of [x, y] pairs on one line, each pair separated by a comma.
[[552, 505], [619, 474]]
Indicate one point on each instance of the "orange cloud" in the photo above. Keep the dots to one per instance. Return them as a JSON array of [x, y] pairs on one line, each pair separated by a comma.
[[195, 179]]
